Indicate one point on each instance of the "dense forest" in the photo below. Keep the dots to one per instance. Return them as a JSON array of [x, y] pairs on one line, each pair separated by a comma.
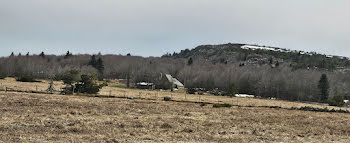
[[291, 75]]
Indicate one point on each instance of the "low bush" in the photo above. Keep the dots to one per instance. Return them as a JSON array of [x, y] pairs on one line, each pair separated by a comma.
[[222, 105], [67, 90], [191, 91], [166, 126], [337, 100], [167, 99], [26, 78], [79, 83], [88, 84], [201, 93], [275, 107], [308, 108], [2, 76]]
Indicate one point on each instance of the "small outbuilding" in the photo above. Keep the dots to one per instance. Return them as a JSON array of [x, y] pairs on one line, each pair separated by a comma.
[[168, 82], [144, 85], [175, 83]]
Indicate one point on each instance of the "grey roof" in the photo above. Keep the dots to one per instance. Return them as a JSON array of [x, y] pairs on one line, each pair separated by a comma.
[[174, 80], [178, 83], [169, 77]]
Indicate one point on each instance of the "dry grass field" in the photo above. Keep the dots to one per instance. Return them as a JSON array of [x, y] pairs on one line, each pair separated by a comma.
[[58, 118], [112, 90], [28, 117]]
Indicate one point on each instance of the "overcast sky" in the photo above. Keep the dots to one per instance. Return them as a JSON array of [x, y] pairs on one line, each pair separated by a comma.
[[154, 27]]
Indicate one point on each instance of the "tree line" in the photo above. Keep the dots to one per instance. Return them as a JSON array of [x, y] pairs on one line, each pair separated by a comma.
[[282, 82]]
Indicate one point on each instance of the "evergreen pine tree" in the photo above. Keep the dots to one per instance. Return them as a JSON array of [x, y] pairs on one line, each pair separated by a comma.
[[190, 61], [99, 65], [232, 89], [93, 61], [42, 54], [323, 86], [68, 54]]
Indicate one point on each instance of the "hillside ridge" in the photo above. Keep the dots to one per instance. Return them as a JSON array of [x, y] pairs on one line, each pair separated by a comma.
[[244, 54]]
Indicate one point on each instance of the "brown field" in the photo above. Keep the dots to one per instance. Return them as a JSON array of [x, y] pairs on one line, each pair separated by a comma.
[[28, 117], [11, 83]]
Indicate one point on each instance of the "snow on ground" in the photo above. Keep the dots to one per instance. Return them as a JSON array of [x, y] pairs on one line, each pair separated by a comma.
[[245, 95], [258, 48], [251, 47]]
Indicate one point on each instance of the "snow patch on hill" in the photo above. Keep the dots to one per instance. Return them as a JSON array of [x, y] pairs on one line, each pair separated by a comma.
[[253, 47], [256, 47]]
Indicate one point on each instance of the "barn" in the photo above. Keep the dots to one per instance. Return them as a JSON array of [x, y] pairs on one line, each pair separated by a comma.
[[175, 83], [166, 81]]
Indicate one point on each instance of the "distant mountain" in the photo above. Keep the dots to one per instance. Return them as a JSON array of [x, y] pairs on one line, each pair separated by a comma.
[[244, 54]]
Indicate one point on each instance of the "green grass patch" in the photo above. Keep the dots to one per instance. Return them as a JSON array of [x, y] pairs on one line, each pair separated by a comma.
[[26, 78], [222, 105]]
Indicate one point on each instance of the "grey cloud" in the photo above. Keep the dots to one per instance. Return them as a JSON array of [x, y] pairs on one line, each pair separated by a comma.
[[153, 27]]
